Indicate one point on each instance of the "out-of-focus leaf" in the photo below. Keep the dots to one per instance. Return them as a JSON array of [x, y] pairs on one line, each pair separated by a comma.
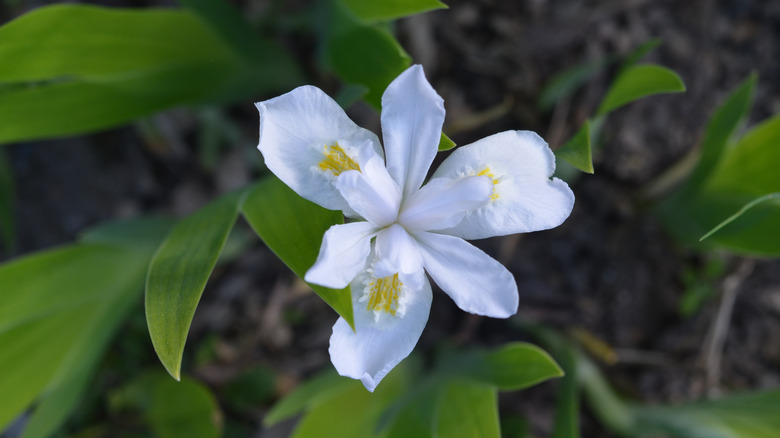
[[468, 410], [638, 54], [514, 366], [567, 405], [577, 150], [720, 128], [142, 234], [750, 415], [292, 228], [228, 23], [77, 68], [7, 202], [445, 143], [171, 409], [416, 413], [349, 94], [362, 54], [637, 82], [565, 83], [178, 274], [311, 393], [770, 197], [383, 10]]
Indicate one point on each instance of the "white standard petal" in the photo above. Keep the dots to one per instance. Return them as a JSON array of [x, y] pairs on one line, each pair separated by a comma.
[[412, 117], [443, 202], [524, 197], [396, 252], [475, 281], [302, 132], [342, 255], [371, 192], [377, 345]]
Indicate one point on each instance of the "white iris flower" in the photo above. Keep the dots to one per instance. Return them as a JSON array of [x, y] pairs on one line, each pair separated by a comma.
[[496, 186]]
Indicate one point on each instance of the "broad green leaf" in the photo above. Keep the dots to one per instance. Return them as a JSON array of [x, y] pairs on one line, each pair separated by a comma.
[[384, 10], [7, 202], [362, 54], [468, 410], [178, 274], [292, 228], [416, 413], [637, 82], [565, 83], [577, 150], [142, 234], [749, 415], [720, 128], [774, 197], [514, 366], [445, 143], [78, 68], [54, 326], [311, 393]]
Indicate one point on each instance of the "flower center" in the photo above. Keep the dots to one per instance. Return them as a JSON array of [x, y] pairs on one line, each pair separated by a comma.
[[336, 160], [382, 295], [489, 173]]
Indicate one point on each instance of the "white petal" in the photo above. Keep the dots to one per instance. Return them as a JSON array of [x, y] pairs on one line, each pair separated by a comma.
[[412, 117], [443, 202], [376, 347], [525, 198], [475, 281], [396, 252], [295, 128], [342, 255], [371, 192]]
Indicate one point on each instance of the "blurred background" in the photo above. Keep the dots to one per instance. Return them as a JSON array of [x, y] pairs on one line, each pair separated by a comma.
[[611, 275]]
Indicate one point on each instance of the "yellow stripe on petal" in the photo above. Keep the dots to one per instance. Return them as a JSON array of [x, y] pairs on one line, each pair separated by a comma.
[[336, 160], [383, 294]]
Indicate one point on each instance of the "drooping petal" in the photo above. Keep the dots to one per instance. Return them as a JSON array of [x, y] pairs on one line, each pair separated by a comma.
[[524, 197], [412, 117], [342, 255], [371, 192], [442, 202], [378, 344], [475, 281], [396, 252], [300, 133]]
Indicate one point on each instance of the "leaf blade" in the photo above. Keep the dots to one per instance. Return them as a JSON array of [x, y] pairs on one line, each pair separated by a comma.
[[640, 81]]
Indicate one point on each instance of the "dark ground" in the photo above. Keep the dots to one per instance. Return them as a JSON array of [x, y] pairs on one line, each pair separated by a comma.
[[610, 271]]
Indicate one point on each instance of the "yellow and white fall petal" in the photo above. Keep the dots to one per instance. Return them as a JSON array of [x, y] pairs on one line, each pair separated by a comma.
[[307, 140], [412, 117], [474, 280], [389, 318], [443, 202], [343, 254], [525, 198]]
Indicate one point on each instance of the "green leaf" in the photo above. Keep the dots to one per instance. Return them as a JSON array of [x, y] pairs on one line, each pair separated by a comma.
[[311, 393], [577, 150], [53, 327], [7, 203], [770, 197], [720, 129], [750, 415], [639, 53], [362, 54], [565, 83], [384, 10], [79, 68], [637, 82], [292, 228], [468, 410], [178, 274], [567, 409], [513, 367], [445, 143]]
